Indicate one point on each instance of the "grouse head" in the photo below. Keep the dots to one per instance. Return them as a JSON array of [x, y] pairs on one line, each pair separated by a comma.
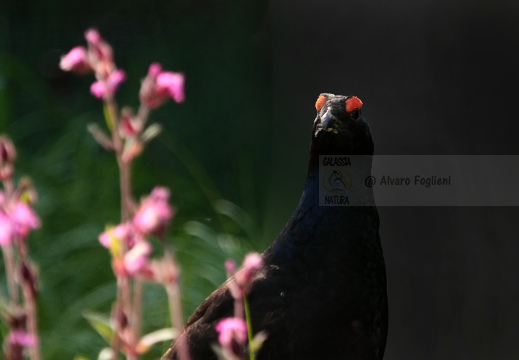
[[339, 128]]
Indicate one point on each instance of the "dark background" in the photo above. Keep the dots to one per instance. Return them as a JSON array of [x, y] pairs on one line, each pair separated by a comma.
[[436, 77]]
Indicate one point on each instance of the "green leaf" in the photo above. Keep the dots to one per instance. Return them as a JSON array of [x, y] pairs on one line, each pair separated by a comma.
[[4, 306], [101, 323], [105, 354], [257, 341], [236, 213], [151, 132], [220, 353], [148, 340], [81, 357], [100, 136]]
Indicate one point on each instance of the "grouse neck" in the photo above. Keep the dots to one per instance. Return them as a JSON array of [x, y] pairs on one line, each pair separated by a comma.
[[341, 176], [315, 229]]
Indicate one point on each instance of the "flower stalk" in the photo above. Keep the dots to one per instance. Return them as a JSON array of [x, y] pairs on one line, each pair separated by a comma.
[[250, 335], [236, 331], [128, 242], [17, 220]]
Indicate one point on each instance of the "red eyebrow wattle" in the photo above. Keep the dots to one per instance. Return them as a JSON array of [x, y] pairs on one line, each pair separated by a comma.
[[353, 103], [320, 102]]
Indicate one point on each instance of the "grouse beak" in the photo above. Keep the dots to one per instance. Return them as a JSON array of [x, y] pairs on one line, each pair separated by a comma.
[[327, 117]]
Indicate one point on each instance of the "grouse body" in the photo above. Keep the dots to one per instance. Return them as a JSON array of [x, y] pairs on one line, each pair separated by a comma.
[[322, 292]]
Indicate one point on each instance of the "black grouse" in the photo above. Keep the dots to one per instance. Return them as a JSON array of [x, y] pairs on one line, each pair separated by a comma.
[[322, 292]]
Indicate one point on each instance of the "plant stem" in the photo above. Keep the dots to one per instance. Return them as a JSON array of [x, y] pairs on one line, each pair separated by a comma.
[[28, 285], [125, 183], [238, 308], [124, 168], [143, 113], [137, 309], [249, 326], [123, 300], [175, 309], [9, 255], [116, 341], [175, 306], [32, 324], [10, 272]]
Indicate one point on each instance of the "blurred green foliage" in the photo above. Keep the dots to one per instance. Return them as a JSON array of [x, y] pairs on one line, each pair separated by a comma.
[[213, 147]]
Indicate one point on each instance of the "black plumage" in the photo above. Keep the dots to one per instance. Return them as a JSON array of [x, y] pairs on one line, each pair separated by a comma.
[[322, 293]]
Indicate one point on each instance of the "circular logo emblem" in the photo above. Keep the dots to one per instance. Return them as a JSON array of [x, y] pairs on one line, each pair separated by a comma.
[[336, 181]]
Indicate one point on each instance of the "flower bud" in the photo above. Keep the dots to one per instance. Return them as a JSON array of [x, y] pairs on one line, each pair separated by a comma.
[[23, 218], [230, 266], [129, 125], [132, 148], [241, 281], [76, 60], [119, 233], [173, 84], [106, 88], [21, 338], [7, 157], [164, 271], [137, 257], [154, 213], [29, 277], [232, 335], [122, 319], [160, 85], [100, 54], [251, 265]]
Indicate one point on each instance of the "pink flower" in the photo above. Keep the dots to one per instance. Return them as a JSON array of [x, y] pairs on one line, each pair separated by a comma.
[[240, 287], [119, 233], [172, 83], [106, 88], [252, 263], [163, 271], [98, 89], [154, 213], [230, 266], [154, 70], [24, 219], [7, 150], [137, 257], [231, 332], [76, 60], [21, 338], [160, 193], [100, 54], [6, 230], [92, 36], [129, 125], [160, 85]]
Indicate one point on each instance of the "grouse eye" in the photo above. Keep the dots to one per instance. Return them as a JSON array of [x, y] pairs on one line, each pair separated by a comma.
[[320, 102], [353, 107], [355, 114]]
